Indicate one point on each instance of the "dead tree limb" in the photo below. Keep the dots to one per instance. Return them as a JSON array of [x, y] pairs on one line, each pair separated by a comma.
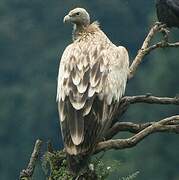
[[133, 128], [124, 105], [149, 99], [26, 174], [146, 48], [126, 101], [160, 126], [162, 45]]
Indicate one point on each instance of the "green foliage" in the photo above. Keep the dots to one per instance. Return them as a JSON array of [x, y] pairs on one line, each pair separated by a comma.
[[55, 167], [57, 164], [131, 176], [104, 168]]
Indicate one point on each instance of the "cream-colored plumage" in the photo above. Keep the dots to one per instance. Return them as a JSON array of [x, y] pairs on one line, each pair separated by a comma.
[[92, 79]]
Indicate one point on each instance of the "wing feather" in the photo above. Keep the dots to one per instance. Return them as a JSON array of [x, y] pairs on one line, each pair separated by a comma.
[[82, 87], [76, 126]]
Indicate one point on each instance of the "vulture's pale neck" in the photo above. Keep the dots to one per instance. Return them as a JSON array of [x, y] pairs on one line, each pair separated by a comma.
[[78, 30]]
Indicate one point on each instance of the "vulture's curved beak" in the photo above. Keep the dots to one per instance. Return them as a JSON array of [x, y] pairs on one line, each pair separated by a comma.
[[66, 19]]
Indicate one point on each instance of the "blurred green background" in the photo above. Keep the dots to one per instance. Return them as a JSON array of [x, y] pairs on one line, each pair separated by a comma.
[[32, 39]]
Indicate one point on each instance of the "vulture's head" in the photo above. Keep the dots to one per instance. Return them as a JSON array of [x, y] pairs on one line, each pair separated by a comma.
[[78, 16]]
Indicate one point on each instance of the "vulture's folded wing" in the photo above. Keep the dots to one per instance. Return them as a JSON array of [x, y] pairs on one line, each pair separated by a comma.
[[89, 70]]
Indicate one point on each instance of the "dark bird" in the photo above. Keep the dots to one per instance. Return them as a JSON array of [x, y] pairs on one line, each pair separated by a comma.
[[168, 12], [92, 79]]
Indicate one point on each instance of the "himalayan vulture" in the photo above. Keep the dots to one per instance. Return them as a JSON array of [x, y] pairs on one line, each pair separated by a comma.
[[91, 81], [168, 12]]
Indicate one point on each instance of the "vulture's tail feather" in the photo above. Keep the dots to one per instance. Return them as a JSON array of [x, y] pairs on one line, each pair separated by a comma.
[[77, 163]]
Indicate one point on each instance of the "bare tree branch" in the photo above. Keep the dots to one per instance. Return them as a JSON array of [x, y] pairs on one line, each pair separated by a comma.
[[160, 126], [161, 45], [28, 172], [146, 48], [150, 99], [126, 101], [132, 128], [142, 52], [125, 127]]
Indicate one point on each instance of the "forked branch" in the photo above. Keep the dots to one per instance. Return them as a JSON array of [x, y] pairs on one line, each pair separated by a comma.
[[125, 104], [170, 124], [132, 128], [146, 48], [126, 101]]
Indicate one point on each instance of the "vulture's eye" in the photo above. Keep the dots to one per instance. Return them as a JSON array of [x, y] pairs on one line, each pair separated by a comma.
[[77, 13]]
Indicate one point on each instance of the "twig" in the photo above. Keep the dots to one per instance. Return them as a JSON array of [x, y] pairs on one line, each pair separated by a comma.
[[150, 99], [161, 45], [160, 126], [146, 48], [142, 52], [26, 174]]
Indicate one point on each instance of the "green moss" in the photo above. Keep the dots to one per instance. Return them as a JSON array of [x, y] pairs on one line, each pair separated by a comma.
[[55, 166]]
